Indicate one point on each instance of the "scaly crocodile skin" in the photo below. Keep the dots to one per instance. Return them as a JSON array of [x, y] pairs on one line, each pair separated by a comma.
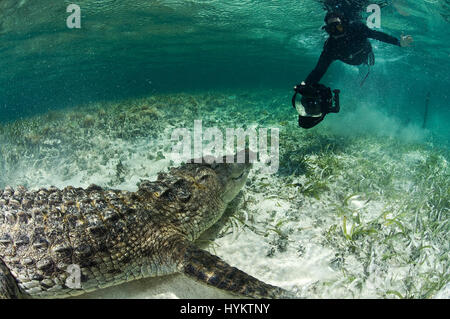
[[115, 236]]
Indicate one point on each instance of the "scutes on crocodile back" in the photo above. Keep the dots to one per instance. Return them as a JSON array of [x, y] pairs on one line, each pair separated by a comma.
[[43, 232], [109, 236]]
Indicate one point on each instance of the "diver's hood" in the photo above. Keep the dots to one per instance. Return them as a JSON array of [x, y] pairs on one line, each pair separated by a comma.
[[335, 25]]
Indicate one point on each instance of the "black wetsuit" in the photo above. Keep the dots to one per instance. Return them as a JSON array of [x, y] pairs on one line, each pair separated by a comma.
[[352, 48]]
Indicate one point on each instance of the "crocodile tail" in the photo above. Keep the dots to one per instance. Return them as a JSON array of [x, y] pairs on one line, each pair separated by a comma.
[[207, 268], [8, 285]]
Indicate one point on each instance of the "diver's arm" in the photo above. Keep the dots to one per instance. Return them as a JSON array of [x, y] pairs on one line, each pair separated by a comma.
[[381, 36], [404, 41], [321, 68]]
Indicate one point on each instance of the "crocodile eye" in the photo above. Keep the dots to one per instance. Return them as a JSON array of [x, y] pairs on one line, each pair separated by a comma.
[[204, 178], [238, 177]]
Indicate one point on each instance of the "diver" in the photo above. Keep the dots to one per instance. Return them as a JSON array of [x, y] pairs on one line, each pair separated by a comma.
[[348, 42]]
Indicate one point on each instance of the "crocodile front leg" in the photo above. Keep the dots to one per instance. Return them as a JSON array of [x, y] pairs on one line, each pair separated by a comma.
[[207, 268], [8, 285]]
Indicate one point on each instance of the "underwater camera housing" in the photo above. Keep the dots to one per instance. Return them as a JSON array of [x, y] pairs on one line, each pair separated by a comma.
[[313, 102]]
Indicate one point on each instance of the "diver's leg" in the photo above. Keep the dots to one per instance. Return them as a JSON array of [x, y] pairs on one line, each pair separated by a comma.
[[351, 9], [338, 5], [8, 285]]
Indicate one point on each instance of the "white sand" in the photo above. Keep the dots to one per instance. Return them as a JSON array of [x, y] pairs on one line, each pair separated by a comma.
[[286, 236]]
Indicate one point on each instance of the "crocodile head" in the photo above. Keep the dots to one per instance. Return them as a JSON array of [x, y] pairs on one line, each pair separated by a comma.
[[199, 191], [226, 176], [232, 177]]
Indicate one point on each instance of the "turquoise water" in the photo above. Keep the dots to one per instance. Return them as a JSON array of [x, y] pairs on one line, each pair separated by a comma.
[[97, 105], [134, 49]]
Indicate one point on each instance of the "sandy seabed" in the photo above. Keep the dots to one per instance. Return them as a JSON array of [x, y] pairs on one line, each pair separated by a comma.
[[352, 212]]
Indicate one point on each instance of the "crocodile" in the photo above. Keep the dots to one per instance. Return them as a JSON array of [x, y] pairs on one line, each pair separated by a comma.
[[58, 243]]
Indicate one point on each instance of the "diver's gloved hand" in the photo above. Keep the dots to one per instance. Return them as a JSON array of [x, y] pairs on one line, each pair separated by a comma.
[[299, 87], [405, 40], [307, 90]]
